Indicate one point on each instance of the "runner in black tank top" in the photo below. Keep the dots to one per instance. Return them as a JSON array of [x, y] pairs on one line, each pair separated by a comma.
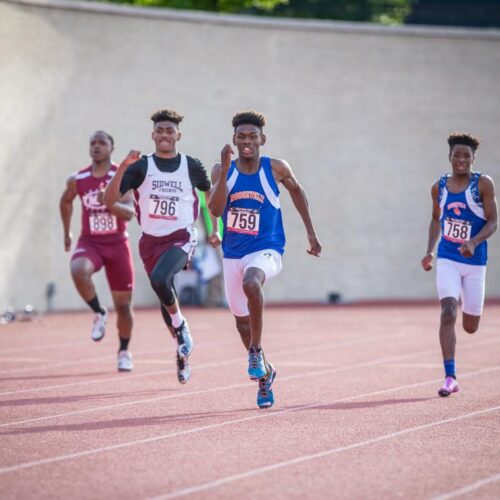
[[167, 207]]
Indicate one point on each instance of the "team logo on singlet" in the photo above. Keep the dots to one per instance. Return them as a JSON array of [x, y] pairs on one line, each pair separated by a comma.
[[456, 206], [247, 195], [244, 220], [91, 200], [166, 186]]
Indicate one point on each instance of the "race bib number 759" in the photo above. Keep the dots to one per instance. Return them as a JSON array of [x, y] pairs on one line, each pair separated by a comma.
[[243, 220]]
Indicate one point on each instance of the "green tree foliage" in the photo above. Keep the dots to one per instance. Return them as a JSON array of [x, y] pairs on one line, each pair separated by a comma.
[[379, 11], [234, 6]]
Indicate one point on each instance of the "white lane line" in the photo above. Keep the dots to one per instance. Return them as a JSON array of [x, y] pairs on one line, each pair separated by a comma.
[[343, 343], [365, 364], [48, 347], [468, 488], [14, 371], [307, 458], [271, 414], [73, 362], [88, 382], [237, 386]]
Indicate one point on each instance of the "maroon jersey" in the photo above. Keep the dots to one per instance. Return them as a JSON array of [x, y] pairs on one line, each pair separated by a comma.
[[97, 221]]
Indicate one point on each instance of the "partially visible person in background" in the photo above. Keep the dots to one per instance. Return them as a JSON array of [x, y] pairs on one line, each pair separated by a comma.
[[210, 260], [464, 212], [103, 242]]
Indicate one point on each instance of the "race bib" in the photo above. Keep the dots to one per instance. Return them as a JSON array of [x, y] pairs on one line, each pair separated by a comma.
[[102, 223], [163, 207], [457, 230], [243, 220]]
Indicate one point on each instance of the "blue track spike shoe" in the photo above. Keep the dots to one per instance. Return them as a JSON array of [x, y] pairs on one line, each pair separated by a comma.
[[184, 340], [265, 396], [256, 364], [183, 369]]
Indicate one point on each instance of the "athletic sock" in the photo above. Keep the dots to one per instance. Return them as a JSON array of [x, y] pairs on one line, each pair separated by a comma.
[[95, 306], [177, 319], [124, 343], [449, 368], [166, 315]]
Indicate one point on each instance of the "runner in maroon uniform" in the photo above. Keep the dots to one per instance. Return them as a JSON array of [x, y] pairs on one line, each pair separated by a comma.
[[102, 242]]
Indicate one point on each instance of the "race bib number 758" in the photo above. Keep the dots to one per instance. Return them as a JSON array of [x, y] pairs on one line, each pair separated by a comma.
[[457, 230]]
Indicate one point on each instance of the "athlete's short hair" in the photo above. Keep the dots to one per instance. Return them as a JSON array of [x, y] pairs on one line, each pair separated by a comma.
[[167, 115], [249, 117], [110, 138], [463, 138]]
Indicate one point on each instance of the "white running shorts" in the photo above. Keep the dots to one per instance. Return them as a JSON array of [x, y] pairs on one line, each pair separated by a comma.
[[269, 261], [465, 281]]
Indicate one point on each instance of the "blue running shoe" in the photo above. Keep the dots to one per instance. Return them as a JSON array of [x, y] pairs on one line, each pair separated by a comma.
[[184, 340], [265, 396], [256, 365], [183, 369]]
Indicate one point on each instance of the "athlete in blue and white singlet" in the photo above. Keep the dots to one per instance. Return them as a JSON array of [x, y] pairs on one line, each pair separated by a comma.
[[246, 195], [465, 214], [462, 218], [252, 216]]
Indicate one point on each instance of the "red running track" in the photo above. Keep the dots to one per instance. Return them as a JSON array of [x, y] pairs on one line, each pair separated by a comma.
[[356, 416]]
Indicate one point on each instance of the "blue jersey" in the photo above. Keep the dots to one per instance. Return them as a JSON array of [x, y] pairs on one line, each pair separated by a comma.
[[462, 217], [252, 217]]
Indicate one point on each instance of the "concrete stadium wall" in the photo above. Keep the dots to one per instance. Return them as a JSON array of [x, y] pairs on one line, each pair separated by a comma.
[[361, 112]]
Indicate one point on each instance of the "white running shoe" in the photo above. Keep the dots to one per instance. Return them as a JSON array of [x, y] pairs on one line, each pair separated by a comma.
[[99, 326], [183, 369], [125, 361], [184, 340]]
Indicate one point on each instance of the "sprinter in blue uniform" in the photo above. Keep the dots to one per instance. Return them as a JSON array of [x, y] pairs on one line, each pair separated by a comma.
[[464, 212], [245, 193]]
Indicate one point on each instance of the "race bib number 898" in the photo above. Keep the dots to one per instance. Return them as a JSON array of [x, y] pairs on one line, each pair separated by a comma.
[[243, 220], [457, 230], [104, 223]]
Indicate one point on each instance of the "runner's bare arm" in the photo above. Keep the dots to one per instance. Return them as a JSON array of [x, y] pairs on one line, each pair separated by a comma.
[[218, 193], [434, 228], [112, 192], [124, 208], [283, 173], [66, 209]]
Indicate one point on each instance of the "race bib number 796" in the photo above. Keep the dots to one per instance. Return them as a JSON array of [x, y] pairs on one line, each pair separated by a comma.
[[163, 207]]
